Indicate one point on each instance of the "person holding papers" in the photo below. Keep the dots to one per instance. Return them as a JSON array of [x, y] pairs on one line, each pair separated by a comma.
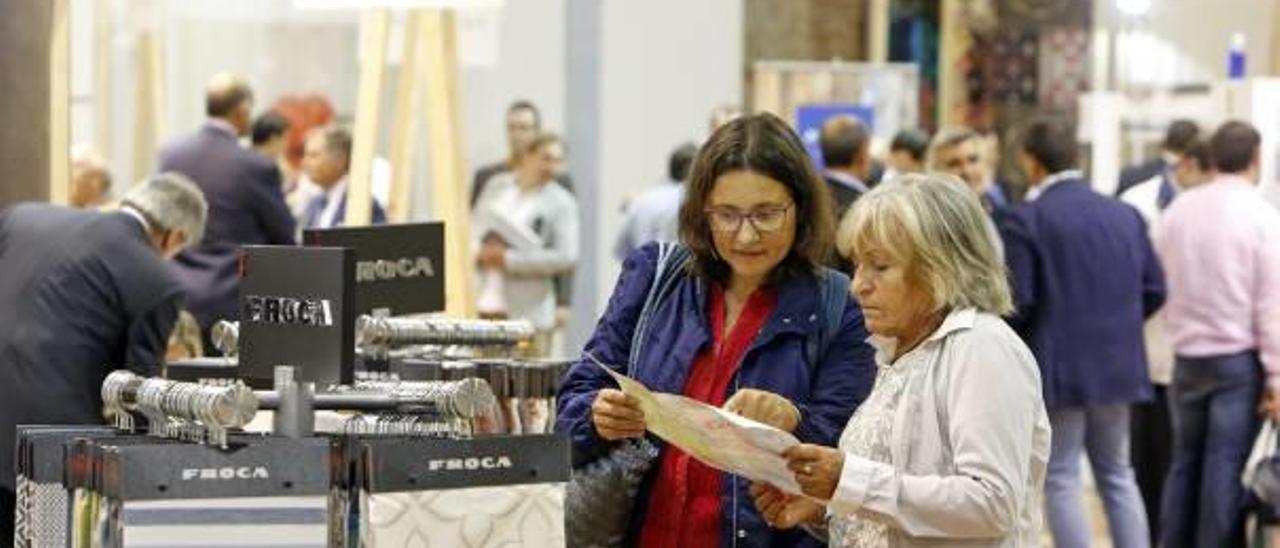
[[953, 442], [751, 321], [527, 234]]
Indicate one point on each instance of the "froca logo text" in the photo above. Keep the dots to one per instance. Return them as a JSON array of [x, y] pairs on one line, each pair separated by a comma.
[[397, 269], [225, 473], [500, 462], [287, 311]]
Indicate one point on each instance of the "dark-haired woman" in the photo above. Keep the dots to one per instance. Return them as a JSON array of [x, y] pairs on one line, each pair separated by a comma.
[[747, 326]]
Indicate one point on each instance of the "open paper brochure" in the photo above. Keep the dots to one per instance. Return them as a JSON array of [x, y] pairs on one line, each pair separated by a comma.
[[720, 439], [513, 234]]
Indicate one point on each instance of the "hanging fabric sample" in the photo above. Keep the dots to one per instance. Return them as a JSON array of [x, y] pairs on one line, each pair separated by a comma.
[[1064, 67], [528, 516]]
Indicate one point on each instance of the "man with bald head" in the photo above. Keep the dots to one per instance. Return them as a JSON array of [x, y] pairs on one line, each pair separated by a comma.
[[246, 204], [846, 153]]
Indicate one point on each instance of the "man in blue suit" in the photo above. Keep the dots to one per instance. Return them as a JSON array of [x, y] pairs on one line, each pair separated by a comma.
[[327, 162], [1085, 278], [246, 204]]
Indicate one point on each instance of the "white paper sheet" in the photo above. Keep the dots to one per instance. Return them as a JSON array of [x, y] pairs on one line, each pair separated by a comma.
[[718, 438]]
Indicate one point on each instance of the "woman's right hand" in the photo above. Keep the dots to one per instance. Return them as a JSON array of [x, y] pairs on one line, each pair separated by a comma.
[[783, 511], [617, 416]]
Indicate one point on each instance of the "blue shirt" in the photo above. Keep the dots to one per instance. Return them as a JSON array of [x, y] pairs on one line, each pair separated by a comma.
[[653, 217]]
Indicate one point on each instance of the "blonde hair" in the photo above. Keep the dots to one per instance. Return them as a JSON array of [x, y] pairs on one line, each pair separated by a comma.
[[185, 337], [934, 224]]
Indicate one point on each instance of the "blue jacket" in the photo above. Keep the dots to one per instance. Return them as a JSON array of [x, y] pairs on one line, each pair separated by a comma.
[[1084, 278], [826, 392]]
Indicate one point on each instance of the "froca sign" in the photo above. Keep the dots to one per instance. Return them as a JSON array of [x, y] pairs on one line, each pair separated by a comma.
[[500, 462], [287, 311], [225, 473], [402, 268]]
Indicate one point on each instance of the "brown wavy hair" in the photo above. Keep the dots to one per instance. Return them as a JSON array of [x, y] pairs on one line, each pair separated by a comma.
[[765, 145]]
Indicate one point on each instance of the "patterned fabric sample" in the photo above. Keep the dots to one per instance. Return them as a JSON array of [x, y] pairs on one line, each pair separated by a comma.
[[528, 516], [49, 514], [22, 513], [339, 519], [1064, 67], [1014, 66], [260, 522]]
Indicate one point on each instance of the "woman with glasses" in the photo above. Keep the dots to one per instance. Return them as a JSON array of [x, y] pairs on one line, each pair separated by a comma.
[[951, 446], [752, 323]]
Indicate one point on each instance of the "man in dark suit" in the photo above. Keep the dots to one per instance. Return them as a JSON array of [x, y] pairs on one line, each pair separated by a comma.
[[1180, 135], [246, 204], [83, 293], [1085, 278], [327, 162], [846, 155]]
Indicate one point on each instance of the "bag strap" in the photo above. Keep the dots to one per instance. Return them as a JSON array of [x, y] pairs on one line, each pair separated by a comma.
[[834, 295], [671, 261]]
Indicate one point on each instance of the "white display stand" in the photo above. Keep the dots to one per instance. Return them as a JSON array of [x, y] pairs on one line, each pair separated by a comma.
[[1125, 129]]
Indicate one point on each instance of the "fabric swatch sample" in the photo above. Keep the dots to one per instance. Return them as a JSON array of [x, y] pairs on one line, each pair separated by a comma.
[[259, 522], [1064, 67], [1014, 65], [528, 516], [50, 514], [22, 513]]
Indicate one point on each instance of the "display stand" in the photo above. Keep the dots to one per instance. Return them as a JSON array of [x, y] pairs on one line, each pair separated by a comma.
[[1126, 129], [888, 89]]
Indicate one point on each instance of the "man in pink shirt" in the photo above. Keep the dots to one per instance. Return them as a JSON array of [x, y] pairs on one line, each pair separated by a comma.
[[1220, 245]]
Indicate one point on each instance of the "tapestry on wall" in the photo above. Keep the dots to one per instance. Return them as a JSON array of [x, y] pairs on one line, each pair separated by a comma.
[[1064, 68]]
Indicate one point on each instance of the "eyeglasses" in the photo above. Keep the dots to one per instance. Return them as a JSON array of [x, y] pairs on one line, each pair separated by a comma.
[[764, 220]]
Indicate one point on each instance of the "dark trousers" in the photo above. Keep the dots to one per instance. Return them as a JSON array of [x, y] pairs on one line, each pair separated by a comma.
[[1151, 452], [7, 501], [1215, 419]]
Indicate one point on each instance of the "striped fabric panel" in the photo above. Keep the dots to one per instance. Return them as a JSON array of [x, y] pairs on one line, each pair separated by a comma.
[[264, 522]]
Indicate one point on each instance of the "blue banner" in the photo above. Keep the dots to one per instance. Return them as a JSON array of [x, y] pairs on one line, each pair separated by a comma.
[[809, 120]]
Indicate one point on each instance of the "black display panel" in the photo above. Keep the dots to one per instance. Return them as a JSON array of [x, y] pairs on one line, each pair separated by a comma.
[[398, 267], [295, 309]]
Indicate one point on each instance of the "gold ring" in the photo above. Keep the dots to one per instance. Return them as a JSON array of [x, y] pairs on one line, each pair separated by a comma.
[[808, 469]]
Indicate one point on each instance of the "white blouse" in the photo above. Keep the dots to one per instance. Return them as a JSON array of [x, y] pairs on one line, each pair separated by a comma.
[[959, 447]]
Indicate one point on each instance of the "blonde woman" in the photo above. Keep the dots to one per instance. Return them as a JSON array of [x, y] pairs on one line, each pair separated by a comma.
[[953, 441]]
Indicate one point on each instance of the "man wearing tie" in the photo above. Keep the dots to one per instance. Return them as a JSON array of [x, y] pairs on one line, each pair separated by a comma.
[[327, 161]]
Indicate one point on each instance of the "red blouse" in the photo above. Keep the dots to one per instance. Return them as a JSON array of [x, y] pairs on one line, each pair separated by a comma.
[[684, 507]]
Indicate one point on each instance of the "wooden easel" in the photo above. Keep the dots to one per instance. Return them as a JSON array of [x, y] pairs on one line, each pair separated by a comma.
[[430, 71], [60, 103]]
